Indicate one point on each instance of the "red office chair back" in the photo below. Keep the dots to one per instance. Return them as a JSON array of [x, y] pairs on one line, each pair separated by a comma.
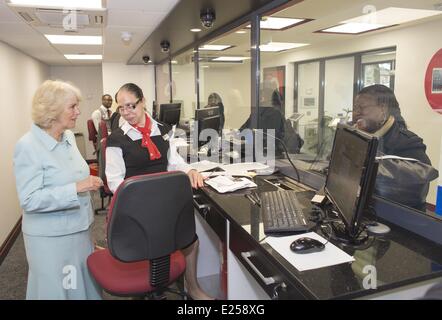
[[151, 216], [92, 132], [103, 129], [149, 220]]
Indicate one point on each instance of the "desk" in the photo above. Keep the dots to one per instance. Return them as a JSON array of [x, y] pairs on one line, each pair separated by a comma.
[[406, 263]]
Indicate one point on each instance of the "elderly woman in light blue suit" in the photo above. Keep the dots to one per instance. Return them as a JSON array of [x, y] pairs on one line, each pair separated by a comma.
[[53, 185]]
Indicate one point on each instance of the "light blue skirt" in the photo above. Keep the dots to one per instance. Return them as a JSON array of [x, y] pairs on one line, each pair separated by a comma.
[[57, 267]]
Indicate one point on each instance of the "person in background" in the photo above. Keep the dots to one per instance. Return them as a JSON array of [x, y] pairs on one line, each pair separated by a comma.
[[376, 110], [138, 148], [53, 185], [215, 100], [104, 112]]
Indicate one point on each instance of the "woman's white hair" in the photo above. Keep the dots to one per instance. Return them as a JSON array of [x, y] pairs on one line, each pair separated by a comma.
[[49, 101]]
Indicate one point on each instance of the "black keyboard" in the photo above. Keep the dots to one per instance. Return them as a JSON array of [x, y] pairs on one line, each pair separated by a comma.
[[282, 212]]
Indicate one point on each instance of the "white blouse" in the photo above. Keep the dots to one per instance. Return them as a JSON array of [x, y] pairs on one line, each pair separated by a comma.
[[115, 167]]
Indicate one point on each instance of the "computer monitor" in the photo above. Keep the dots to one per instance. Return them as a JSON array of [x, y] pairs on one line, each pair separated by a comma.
[[207, 118], [170, 113], [351, 175]]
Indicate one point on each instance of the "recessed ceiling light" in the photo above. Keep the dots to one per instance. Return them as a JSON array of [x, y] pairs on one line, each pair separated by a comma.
[[280, 46], [231, 59], [353, 28], [174, 62], [84, 4], [86, 40], [84, 56], [392, 15], [241, 31], [387, 17], [215, 47], [276, 23], [195, 30]]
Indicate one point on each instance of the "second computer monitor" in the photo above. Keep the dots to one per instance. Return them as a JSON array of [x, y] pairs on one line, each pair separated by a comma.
[[207, 118], [351, 174], [170, 113]]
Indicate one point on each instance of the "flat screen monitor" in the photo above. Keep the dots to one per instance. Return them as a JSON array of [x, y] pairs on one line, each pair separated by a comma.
[[207, 118], [170, 113], [351, 175]]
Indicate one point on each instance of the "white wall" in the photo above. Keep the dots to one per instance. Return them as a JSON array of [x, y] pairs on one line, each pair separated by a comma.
[[117, 74], [20, 76], [233, 85], [184, 85], [89, 80], [415, 47]]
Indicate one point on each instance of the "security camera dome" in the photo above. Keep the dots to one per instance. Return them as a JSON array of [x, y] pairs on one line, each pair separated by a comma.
[[146, 59], [165, 46], [208, 18]]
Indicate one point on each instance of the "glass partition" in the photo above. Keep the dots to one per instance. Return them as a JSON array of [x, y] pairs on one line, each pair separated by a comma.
[[183, 75], [317, 57], [162, 86], [224, 84]]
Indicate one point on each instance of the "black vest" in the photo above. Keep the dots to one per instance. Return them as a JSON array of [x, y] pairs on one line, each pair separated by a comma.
[[136, 158]]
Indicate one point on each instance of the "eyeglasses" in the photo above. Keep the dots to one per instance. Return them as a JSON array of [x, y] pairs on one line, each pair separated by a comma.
[[129, 106]]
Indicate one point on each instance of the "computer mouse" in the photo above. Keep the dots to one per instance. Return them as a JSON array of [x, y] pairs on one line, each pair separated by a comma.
[[306, 245]]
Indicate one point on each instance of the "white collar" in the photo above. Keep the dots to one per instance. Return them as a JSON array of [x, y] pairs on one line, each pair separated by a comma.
[[134, 134], [103, 108]]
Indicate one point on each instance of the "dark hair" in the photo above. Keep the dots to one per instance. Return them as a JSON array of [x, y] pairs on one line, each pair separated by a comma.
[[132, 88], [385, 95], [106, 95]]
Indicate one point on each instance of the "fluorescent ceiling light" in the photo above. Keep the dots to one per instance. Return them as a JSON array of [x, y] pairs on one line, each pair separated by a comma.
[[84, 4], [380, 19], [230, 59], [393, 15], [86, 40], [280, 46], [275, 23], [241, 31], [174, 62], [195, 30], [84, 56], [353, 28], [215, 47]]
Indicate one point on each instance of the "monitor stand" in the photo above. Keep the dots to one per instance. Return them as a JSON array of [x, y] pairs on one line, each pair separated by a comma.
[[377, 229], [340, 234]]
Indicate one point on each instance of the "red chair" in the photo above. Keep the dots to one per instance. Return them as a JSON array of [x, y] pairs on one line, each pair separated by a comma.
[[102, 127], [92, 132], [105, 192], [145, 233]]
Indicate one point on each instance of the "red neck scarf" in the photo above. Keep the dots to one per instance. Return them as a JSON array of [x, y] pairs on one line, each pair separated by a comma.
[[147, 141]]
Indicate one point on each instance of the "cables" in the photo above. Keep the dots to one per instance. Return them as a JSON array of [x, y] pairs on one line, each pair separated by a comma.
[[285, 151]]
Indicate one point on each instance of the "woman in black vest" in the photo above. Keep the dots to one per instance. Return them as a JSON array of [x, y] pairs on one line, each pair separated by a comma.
[[139, 147]]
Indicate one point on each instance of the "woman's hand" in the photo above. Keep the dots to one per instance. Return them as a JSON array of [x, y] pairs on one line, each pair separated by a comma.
[[91, 183], [196, 179]]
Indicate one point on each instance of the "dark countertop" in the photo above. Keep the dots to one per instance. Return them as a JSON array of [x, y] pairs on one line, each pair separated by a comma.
[[400, 258]]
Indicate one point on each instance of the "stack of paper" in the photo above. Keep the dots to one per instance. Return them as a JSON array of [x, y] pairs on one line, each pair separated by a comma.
[[236, 169], [224, 184]]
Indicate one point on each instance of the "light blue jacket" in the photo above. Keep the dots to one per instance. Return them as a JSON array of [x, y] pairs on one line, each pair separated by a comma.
[[46, 172]]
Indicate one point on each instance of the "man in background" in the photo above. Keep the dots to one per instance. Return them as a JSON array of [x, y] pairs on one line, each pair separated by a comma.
[[104, 112]]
